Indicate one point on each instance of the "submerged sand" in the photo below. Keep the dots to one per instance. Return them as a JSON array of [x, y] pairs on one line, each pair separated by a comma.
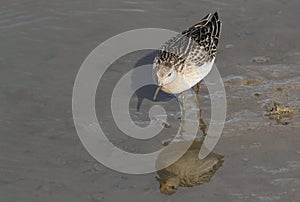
[[43, 44]]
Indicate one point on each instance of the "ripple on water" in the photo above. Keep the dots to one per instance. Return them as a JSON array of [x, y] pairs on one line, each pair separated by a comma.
[[15, 14], [257, 86], [286, 181]]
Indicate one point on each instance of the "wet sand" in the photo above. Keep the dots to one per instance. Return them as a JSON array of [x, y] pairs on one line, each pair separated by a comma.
[[43, 44]]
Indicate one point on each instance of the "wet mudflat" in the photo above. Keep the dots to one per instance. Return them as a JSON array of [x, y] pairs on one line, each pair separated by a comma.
[[43, 44]]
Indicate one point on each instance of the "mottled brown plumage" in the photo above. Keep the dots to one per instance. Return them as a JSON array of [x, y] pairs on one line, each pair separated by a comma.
[[184, 60], [197, 44]]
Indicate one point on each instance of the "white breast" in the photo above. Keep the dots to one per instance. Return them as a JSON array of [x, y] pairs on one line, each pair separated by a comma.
[[188, 78]]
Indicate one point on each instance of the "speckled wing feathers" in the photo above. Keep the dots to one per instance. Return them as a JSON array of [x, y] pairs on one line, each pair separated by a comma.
[[195, 45]]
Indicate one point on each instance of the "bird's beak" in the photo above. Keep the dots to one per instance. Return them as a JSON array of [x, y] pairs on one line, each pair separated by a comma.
[[156, 92]]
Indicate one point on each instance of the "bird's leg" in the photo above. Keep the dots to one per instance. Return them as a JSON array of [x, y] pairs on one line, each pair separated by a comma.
[[182, 114], [182, 100], [197, 89], [202, 124]]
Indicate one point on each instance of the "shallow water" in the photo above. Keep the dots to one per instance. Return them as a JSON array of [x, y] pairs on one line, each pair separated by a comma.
[[261, 85], [43, 44]]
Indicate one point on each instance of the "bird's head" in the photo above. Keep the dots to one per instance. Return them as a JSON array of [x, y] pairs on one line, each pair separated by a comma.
[[165, 74]]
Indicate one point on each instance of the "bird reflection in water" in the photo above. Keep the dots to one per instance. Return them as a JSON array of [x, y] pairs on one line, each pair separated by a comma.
[[189, 170]]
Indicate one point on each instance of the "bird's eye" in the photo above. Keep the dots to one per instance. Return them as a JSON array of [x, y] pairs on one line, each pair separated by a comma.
[[172, 187], [169, 74]]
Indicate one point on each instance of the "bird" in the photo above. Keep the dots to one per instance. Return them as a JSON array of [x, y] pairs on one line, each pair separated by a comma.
[[184, 60]]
